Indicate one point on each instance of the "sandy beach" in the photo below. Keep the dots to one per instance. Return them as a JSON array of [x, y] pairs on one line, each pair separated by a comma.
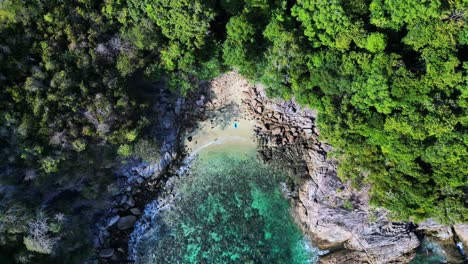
[[229, 124]]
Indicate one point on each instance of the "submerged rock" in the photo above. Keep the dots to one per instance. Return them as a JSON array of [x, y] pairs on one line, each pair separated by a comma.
[[237, 204]]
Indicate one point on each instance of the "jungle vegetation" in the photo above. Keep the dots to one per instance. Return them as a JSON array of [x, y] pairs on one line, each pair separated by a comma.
[[388, 77]]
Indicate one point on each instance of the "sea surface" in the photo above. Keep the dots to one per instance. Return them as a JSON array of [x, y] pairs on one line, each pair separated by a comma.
[[229, 209]]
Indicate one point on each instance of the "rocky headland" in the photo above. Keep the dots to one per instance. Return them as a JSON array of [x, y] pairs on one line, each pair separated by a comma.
[[337, 216]]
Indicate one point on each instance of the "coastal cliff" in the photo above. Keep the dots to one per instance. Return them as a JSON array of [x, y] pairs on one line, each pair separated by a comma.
[[336, 216]]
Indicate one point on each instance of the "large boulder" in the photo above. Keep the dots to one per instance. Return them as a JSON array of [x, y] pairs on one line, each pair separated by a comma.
[[461, 230], [436, 230], [330, 237]]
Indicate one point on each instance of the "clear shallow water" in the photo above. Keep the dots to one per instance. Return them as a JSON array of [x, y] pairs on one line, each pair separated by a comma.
[[429, 253], [229, 210]]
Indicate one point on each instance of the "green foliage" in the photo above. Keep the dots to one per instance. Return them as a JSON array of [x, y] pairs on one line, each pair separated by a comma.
[[327, 24], [124, 150], [348, 205], [7, 12], [68, 101], [388, 77], [186, 22], [397, 13], [147, 150], [375, 42], [391, 92], [50, 164], [239, 45], [79, 145]]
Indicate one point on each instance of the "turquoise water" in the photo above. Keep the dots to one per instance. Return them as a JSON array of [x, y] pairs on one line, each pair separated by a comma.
[[230, 210], [429, 253]]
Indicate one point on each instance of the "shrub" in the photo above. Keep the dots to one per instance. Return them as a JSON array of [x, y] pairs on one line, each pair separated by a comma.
[[38, 239]]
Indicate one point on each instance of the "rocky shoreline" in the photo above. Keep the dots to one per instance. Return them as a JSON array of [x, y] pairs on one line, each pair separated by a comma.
[[140, 182], [336, 216]]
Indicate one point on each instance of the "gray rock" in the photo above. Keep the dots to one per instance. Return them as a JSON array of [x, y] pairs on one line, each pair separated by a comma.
[[200, 103], [308, 131], [123, 200], [436, 230], [106, 253], [126, 222], [462, 232], [113, 220], [140, 180], [168, 157], [131, 202], [163, 163], [135, 211], [276, 131], [178, 106]]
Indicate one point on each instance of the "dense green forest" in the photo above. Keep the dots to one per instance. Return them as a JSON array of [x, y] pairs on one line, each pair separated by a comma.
[[389, 78]]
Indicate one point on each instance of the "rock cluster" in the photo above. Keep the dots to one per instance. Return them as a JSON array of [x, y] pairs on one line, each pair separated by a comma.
[[445, 236]]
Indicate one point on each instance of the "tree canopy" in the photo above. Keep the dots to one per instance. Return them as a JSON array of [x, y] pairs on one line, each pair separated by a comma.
[[389, 79]]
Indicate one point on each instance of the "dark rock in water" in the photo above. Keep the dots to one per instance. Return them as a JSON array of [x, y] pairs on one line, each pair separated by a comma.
[[106, 253], [190, 139], [113, 220], [126, 222]]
